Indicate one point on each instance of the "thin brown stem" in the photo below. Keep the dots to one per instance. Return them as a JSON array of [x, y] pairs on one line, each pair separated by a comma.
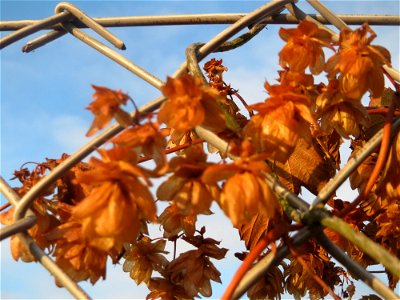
[[251, 113], [383, 153], [174, 149], [391, 79], [4, 206]]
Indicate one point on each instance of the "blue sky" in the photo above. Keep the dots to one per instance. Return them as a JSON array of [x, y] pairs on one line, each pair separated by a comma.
[[44, 93]]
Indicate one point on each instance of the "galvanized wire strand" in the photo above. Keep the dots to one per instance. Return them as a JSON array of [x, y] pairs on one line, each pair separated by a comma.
[[77, 156], [298, 13], [208, 19], [226, 47], [8, 192], [101, 139], [212, 45], [374, 250], [328, 14], [27, 30], [72, 287], [271, 259], [114, 55], [192, 63], [268, 261], [37, 252], [297, 202], [340, 24], [268, 9], [11, 195], [43, 40], [271, 181], [60, 30], [17, 227], [85, 19], [192, 54], [301, 15], [350, 166], [354, 268]]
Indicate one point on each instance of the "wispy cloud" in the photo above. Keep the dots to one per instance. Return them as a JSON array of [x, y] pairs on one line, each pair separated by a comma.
[[68, 132]]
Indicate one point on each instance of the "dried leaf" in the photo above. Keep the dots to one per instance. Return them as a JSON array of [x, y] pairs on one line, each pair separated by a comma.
[[251, 232], [330, 145], [384, 100], [305, 167]]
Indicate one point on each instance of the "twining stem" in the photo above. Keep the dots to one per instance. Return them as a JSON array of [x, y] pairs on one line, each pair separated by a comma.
[[381, 111], [271, 236], [174, 149], [381, 161], [245, 266], [4, 206], [251, 113]]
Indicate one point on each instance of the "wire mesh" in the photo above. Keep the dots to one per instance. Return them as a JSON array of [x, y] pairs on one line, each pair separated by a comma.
[[69, 19]]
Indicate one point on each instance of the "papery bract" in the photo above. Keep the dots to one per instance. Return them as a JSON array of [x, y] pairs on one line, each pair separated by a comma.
[[245, 191], [146, 139], [185, 188], [338, 112], [304, 47], [282, 119], [106, 105], [193, 270], [191, 103], [174, 221], [75, 256], [111, 213], [143, 257], [359, 63]]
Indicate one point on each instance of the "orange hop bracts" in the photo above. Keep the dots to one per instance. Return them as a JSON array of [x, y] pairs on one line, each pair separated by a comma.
[[392, 180], [185, 187], [161, 288], [148, 140], [245, 192], [75, 256], [304, 47], [143, 257], [106, 105], [339, 112], [191, 103], [45, 222], [111, 213], [173, 222], [282, 120], [358, 63]]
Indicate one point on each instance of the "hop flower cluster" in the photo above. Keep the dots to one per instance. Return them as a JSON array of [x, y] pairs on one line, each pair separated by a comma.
[[101, 209]]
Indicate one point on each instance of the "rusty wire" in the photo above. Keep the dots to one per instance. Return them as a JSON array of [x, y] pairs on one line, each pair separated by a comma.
[[68, 18]]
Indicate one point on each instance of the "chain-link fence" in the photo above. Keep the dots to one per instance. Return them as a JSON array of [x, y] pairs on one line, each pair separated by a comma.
[[68, 19]]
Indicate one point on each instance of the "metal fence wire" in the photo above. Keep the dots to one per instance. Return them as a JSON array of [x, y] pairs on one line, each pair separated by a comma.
[[70, 19]]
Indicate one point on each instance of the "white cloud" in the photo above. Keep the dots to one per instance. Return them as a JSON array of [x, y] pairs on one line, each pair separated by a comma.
[[38, 133], [69, 132]]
